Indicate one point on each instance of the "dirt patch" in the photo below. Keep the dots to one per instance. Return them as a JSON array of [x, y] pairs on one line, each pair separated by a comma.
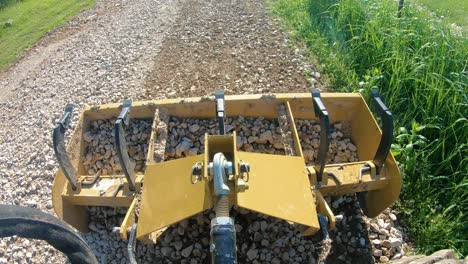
[[229, 45]]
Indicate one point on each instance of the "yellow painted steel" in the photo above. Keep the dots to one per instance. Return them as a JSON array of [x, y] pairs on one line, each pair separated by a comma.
[[128, 221], [295, 134], [279, 186], [346, 179], [380, 199], [169, 195], [324, 209], [76, 216]]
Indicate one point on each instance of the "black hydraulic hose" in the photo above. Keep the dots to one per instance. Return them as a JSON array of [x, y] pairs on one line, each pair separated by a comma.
[[32, 223], [223, 247], [131, 247]]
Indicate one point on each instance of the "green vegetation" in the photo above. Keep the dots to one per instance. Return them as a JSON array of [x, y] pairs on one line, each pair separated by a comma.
[[4, 3], [453, 10], [31, 20], [420, 69]]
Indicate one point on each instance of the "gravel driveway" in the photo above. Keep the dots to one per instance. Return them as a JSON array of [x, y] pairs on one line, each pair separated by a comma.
[[148, 49]]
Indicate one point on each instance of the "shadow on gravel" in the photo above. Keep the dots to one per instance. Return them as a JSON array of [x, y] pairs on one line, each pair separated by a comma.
[[260, 238], [350, 238]]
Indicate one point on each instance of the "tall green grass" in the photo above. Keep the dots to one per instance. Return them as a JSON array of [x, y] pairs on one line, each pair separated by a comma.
[[420, 69]]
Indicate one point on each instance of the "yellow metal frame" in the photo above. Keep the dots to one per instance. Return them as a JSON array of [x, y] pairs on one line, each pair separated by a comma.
[[280, 186]]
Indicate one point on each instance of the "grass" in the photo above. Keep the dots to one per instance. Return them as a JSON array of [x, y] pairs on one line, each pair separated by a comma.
[[420, 69], [31, 21], [453, 10]]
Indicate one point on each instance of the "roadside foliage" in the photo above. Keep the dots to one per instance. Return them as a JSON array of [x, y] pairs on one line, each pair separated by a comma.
[[419, 65]]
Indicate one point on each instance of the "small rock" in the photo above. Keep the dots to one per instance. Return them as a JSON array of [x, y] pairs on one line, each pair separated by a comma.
[[377, 253], [395, 242], [386, 244], [255, 226], [166, 251], [384, 259], [178, 245], [351, 146], [252, 254], [301, 248], [265, 137], [194, 128], [186, 251], [193, 151], [383, 231], [183, 147]]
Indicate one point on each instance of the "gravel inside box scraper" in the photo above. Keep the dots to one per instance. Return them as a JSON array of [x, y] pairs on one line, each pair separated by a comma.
[[101, 155], [260, 238]]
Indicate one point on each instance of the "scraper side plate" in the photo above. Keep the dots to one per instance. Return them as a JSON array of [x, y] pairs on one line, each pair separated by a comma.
[[169, 196], [279, 186]]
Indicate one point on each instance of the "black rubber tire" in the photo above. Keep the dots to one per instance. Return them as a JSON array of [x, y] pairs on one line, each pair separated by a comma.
[[32, 223]]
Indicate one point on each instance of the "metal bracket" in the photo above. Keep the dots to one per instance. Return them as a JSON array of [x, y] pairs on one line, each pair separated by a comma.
[[387, 131], [60, 150], [322, 113], [220, 111], [368, 167], [121, 144], [335, 177], [91, 182]]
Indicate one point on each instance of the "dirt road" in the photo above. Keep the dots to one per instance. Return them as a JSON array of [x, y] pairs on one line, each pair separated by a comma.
[[229, 45]]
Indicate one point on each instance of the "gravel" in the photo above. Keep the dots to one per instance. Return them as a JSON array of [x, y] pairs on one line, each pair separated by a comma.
[[359, 239], [147, 49], [100, 153], [231, 45], [340, 149]]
